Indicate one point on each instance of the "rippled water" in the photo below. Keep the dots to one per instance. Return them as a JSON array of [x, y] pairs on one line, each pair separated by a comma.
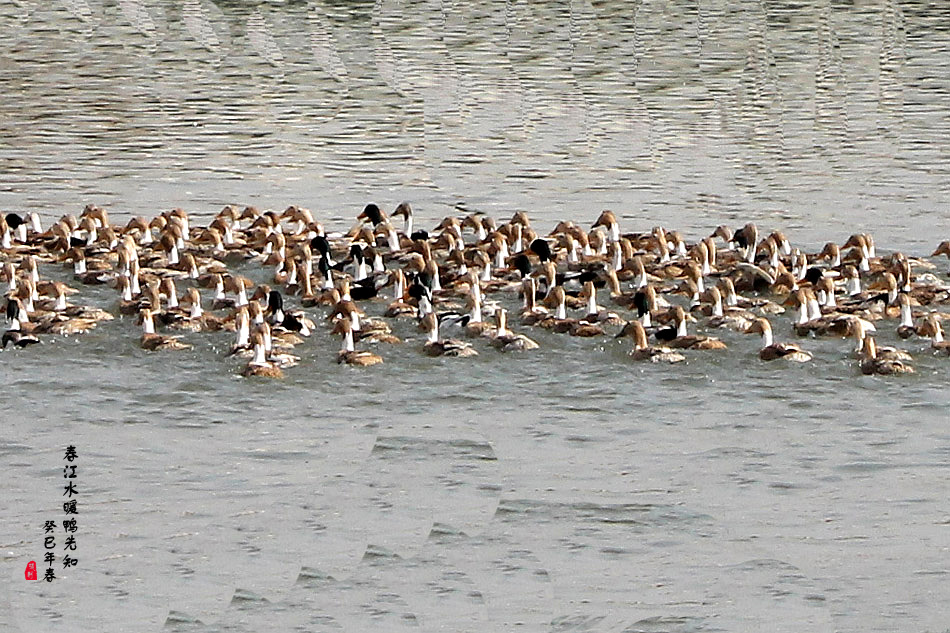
[[569, 490]]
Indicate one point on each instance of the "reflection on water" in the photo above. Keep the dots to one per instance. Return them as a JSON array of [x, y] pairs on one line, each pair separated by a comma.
[[685, 113]]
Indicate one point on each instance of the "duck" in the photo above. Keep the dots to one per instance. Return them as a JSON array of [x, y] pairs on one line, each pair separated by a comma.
[[154, 342], [776, 351], [434, 346], [681, 339], [942, 249], [561, 324], [594, 313], [198, 320], [735, 319], [931, 327], [507, 341], [475, 326], [872, 363], [18, 338], [18, 317], [643, 351], [906, 327], [259, 365], [348, 353], [531, 313], [369, 330], [278, 340], [859, 329], [17, 334]]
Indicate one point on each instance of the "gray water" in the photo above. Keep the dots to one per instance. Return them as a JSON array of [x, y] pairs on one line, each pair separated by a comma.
[[567, 490]]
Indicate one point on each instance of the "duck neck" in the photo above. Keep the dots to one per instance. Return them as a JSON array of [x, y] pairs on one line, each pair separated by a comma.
[[854, 286], [592, 307], [502, 324], [561, 310], [766, 338], [681, 329], [717, 307], [425, 306], [476, 313], [803, 313], [148, 326], [486, 272], [830, 301], [260, 355], [501, 254], [694, 300], [907, 318], [243, 333], [433, 335], [642, 279], [859, 339]]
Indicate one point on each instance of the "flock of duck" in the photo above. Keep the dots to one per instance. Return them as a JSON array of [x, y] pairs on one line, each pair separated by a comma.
[[454, 281]]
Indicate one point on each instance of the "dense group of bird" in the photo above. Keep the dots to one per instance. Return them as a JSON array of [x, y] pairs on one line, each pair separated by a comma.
[[464, 285]]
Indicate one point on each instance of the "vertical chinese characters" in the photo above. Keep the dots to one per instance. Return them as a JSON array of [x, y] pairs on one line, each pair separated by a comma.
[[70, 523]]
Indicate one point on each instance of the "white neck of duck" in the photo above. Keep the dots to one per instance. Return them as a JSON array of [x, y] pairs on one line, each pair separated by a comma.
[[613, 231], [501, 254], [766, 338], [681, 329], [148, 325], [592, 307], [907, 318], [243, 333], [476, 313], [260, 355], [803, 313], [854, 286], [425, 306]]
